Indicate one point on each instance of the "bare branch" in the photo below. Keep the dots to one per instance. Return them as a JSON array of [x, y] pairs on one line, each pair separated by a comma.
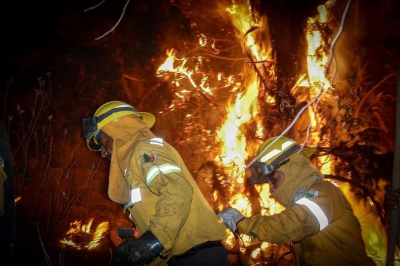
[[93, 7], [113, 28]]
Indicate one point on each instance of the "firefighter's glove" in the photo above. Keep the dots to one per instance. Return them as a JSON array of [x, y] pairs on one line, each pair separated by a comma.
[[231, 217], [138, 252], [392, 198]]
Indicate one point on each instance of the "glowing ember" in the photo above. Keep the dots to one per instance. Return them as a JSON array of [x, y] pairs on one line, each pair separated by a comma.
[[168, 65], [17, 199], [256, 253]]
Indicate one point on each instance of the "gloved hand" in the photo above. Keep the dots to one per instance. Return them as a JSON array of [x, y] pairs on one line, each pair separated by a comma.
[[118, 235], [138, 252], [231, 217], [392, 198]]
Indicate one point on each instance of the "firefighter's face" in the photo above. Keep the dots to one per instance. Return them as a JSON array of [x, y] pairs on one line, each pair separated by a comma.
[[106, 143], [275, 182]]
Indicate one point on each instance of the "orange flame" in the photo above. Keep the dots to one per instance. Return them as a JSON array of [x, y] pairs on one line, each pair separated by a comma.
[[242, 111], [317, 59], [81, 232], [233, 152]]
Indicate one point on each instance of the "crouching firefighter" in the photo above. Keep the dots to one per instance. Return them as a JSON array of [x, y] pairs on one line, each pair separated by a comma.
[[148, 176], [318, 220]]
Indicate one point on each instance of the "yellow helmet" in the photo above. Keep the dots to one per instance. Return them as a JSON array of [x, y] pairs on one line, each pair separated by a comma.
[[108, 113], [273, 153]]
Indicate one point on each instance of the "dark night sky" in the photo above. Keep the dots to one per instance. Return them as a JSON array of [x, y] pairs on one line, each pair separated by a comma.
[[58, 37], [34, 31]]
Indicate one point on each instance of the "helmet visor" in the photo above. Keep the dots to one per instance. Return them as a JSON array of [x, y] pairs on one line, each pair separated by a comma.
[[89, 130], [89, 127], [259, 173]]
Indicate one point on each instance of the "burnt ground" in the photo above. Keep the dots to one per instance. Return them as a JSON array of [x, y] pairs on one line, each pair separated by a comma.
[[44, 37]]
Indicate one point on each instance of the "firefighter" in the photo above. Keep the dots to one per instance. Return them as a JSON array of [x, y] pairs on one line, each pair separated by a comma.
[[148, 176], [318, 221]]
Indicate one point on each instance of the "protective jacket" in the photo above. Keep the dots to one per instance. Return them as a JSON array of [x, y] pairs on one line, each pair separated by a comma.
[[318, 220], [151, 179]]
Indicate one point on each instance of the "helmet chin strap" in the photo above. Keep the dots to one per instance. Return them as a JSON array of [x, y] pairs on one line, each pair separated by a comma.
[[97, 136]]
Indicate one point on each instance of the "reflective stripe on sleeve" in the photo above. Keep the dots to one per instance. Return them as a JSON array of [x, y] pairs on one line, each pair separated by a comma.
[[164, 168], [316, 210], [334, 183], [157, 141]]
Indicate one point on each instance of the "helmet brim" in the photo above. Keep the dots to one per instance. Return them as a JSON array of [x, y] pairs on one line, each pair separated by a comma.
[[309, 151], [148, 118]]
